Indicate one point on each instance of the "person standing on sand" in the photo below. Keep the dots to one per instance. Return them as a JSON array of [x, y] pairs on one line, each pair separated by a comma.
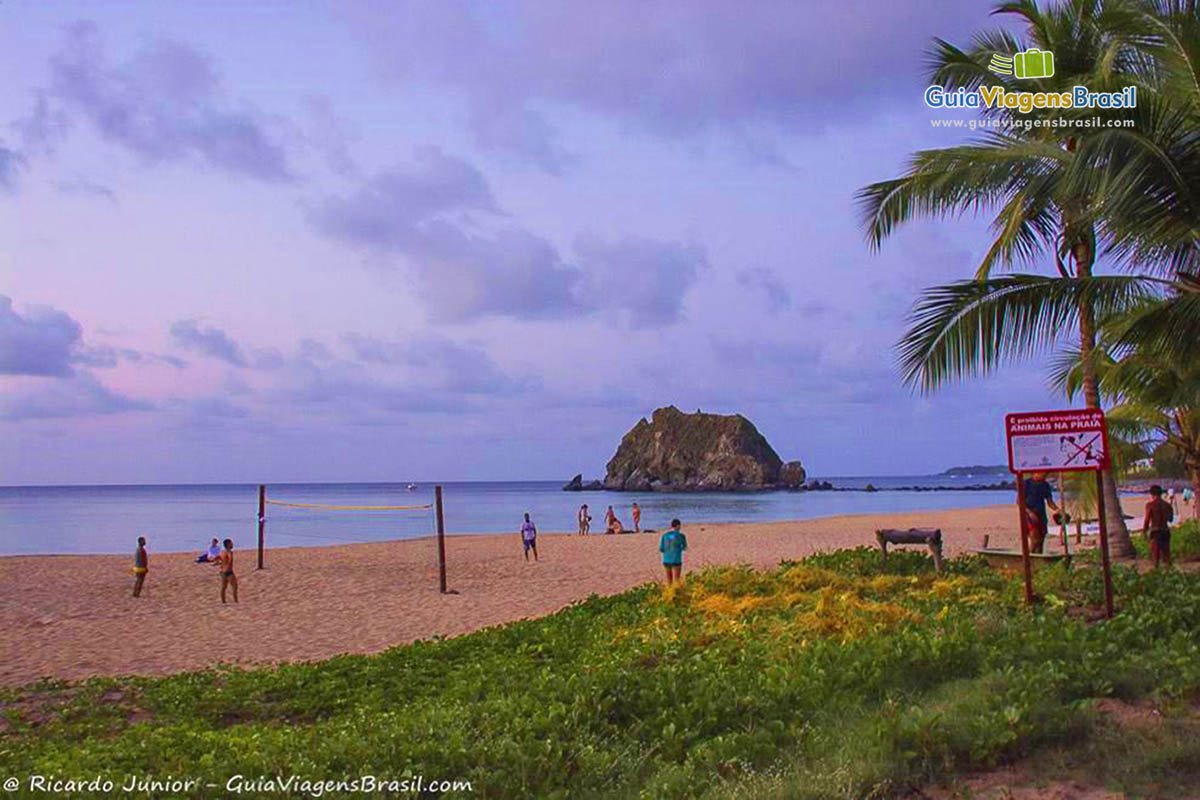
[[1188, 498], [225, 565], [1156, 526], [1038, 495], [637, 518], [671, 545], [585, 520], [529, 538], [1173, 500], [141, 565]]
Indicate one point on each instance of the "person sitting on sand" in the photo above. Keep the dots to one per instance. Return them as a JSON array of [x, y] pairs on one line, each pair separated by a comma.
[[637, 518], [141, 565], [211, 554], [671, 545], [225, 565], [529, 538], [1038, 495], [1156, 526], [585, 520], [611, 523]]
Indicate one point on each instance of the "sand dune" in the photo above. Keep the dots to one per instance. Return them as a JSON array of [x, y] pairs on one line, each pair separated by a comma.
[[72, 616]]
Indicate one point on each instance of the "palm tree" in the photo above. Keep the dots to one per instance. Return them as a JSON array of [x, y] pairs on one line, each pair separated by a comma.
[[1155, 400], [1149, 176], [1030, 175]]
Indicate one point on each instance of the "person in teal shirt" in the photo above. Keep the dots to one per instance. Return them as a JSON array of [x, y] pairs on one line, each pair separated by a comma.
[[671, 545]]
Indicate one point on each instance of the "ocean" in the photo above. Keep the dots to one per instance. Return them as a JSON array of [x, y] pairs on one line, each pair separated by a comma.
[[108, 519]]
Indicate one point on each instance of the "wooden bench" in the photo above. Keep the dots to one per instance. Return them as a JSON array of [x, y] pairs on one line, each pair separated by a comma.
[[1009, 560], [931, 537]]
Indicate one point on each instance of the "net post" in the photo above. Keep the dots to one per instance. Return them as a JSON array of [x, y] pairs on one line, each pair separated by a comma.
[[441, 538], [262, 521]]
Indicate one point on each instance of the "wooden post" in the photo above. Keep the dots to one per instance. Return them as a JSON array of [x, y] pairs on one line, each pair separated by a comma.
[[441, 539], [1025, 561], [1062, 511], [1108, 590], [262, 521]]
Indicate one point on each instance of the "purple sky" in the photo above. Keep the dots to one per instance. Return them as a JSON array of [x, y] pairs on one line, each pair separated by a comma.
[[391, 241]]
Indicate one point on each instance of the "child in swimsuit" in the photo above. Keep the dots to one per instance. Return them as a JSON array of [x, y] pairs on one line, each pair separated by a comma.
[[141, 565]]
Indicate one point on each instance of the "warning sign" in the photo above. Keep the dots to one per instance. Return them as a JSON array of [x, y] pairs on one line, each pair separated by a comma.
[[1057, 441]]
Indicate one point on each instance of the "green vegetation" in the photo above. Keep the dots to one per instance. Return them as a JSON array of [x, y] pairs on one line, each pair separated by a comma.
[[827, 678]]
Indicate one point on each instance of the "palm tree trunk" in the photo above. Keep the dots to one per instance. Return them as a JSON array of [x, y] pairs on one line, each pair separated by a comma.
[[1119, 543]]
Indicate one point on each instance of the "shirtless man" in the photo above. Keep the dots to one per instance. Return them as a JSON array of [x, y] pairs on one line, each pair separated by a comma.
[[225, 565], [585, 520], [637, 518], [1157, 526]]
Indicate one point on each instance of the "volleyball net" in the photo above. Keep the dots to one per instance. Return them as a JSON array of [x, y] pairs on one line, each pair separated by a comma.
[[438, 524]]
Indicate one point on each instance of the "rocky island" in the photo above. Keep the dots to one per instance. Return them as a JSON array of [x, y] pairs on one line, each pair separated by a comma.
[[678, 452]]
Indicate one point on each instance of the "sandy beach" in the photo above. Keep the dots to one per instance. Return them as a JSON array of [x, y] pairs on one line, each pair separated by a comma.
[[72, 617]]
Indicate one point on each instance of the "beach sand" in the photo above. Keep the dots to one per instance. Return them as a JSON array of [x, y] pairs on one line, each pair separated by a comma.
[[72, 617]]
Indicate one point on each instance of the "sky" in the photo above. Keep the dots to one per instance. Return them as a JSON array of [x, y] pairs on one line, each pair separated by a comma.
[[391, 241]]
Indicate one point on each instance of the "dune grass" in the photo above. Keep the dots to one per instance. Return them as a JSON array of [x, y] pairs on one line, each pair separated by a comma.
[[826, 678]]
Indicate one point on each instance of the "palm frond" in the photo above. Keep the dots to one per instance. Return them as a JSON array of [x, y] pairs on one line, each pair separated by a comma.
[[971, 327]]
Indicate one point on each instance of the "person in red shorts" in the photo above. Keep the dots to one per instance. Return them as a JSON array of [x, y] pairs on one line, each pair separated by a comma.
[[1038, 495], [1156, 526]]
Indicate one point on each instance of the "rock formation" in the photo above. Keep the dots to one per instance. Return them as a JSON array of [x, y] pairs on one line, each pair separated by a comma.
[[675, 451], [576, 484]]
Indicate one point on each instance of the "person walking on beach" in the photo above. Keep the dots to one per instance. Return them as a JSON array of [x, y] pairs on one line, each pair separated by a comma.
[[1173, 500], [1038, 495], [529, 538], [671, 545], [211, 554], [585, 520], [637, 518], [141, 565], [225, 565], [1156, 526]]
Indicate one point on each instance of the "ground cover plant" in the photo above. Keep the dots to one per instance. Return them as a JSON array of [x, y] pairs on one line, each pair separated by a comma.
[[829, 677]]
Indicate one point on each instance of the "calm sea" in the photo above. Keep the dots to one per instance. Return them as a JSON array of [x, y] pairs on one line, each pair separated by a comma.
[[108, 519]]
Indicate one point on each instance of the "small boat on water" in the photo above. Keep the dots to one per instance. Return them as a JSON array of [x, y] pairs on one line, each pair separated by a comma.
[[412, 487]]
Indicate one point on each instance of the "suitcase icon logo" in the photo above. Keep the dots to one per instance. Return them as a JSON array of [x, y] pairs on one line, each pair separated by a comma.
[[1033, 63]]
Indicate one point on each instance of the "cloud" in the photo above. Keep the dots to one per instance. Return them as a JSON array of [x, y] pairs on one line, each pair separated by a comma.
[[644, 279], [44, 128], [79, 395], [11, 162], [427, 212], [85, 188], [163, 105], [435, 214], [104, 356], [43, 341], [437, 363], [674, 68], [207, 340], [765, 280]]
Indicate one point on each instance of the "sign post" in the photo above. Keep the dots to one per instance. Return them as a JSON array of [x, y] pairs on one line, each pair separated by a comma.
[[1059, 441]]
